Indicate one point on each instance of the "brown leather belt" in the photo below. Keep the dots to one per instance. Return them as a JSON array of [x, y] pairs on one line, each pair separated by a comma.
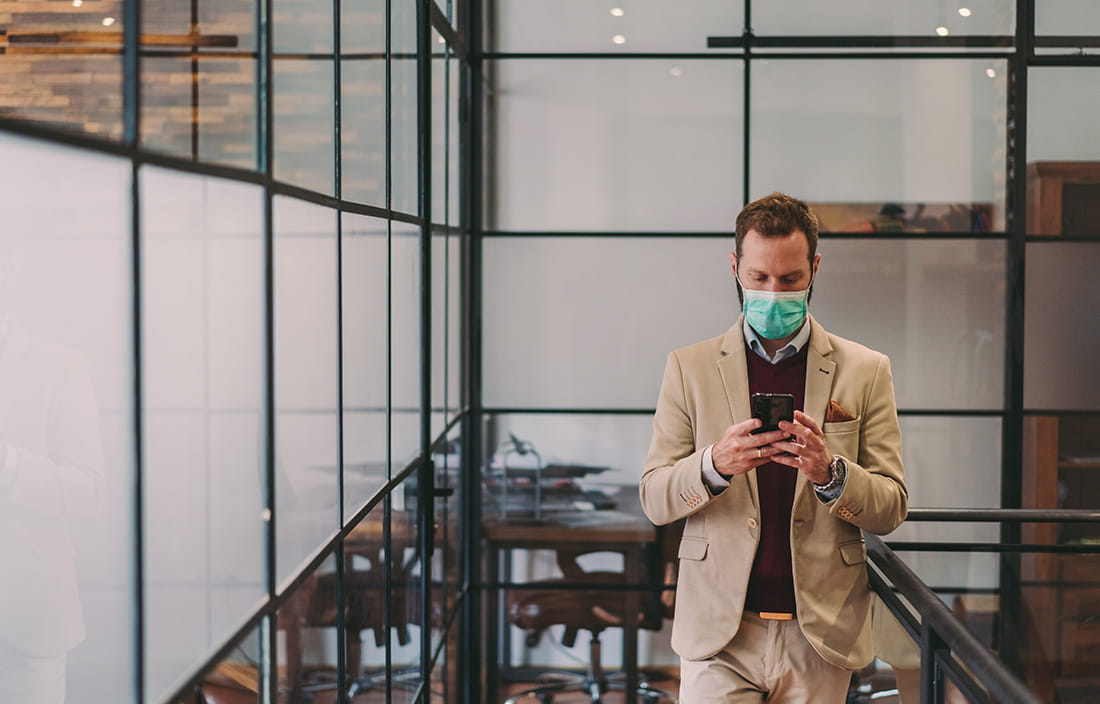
[[775, 616]]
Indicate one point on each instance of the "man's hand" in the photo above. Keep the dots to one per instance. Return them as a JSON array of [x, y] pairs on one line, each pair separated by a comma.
[[738, 451], [806, 451]]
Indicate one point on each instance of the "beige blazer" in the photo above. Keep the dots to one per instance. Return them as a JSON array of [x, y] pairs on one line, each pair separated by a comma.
[[704, 391]]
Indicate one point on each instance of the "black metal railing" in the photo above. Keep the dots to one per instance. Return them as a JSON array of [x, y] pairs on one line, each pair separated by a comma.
[[948, 649]]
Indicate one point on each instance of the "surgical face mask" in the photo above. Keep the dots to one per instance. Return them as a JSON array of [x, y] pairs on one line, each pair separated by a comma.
[[775, 314]]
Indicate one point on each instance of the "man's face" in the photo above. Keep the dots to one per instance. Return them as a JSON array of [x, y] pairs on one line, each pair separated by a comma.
[[776, 263]]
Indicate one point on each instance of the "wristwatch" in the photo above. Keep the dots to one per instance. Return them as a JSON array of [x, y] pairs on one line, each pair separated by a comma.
[[838, 469]]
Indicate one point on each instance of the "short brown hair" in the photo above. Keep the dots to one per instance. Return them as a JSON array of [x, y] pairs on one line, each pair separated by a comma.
[[774, 215]]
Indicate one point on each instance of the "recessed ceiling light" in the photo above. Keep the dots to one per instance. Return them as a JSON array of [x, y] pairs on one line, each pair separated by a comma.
[[619, 39], [991, 73], [108, 21], [675, 71], [617, 12], [964, 11], [943, 31]]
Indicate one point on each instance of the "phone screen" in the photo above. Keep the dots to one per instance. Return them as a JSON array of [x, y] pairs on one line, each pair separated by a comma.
[[771, 408]]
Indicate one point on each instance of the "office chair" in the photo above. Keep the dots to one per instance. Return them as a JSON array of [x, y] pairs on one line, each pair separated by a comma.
[[594, 611]]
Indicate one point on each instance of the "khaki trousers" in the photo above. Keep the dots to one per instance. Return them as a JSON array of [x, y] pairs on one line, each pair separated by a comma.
[[767, 661]]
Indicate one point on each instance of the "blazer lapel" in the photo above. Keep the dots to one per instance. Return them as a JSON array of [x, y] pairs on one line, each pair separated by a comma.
[[820, 372], [734, 371]]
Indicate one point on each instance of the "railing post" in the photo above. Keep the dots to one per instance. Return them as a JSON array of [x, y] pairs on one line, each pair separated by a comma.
[[931, 677]]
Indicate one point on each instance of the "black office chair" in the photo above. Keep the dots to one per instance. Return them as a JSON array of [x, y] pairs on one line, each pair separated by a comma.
[[594, 611]]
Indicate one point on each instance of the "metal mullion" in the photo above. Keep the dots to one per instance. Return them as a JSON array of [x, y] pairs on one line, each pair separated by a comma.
[[882, 41], [470, 219], [425, 480], [337, 182], [746, 105]]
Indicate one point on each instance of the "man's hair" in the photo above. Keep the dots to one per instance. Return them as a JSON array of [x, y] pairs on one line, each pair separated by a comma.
[[777, 215]]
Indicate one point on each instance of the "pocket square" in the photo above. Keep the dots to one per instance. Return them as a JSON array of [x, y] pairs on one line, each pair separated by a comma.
[[836, 413]]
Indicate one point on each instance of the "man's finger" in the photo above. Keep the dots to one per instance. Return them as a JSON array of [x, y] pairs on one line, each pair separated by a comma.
[[807, 421]]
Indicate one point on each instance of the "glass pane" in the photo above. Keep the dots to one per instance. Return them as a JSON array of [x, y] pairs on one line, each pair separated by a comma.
[[63, 68], [306, 405], [196, 105], [443, 327], [1062, 330], [403, 113], [406, 589], [925, 132], [302, 26], [221, 24], [363, 130], [453, 141], [203, 379], [618, 145], [66, 417], [440, 118], [405, 352], [201, 108], [1063, 110], [303, 123], [1067, 17], [307, 622], [936, 308], [625, 25], [445, 560], [237, 678], [858, 17], [364, 261], [909, 299], [366, 593]]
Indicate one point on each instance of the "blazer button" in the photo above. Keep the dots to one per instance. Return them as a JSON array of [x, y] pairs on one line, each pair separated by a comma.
[[752, 523]]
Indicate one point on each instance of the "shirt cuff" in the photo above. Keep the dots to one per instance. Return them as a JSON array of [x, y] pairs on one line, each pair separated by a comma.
[[714, 481], [834, 492]]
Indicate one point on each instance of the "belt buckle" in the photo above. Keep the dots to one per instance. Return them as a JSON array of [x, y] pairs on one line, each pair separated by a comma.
[[776, 616]]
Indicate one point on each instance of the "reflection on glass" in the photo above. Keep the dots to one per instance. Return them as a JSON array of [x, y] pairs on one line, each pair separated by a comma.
[[238, 678], [445, 578], [363, 130], [900, 131], [63, 69], [618, 145], [405, 353], [302, 26], [199, 107], [580, 25], [1062, 333], [441, 118], [453, 137], [306, 380], [66, 425], [303, 123], [885, 17], [364, 262], [202, 306], [443, 326]]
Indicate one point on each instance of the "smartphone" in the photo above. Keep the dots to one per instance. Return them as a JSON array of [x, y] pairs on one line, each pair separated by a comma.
[[771, 408]]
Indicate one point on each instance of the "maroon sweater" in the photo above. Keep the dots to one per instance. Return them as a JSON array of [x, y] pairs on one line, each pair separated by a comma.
[[771, 586]]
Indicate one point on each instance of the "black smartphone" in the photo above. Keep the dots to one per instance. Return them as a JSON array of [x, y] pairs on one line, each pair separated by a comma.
[[771, 408]]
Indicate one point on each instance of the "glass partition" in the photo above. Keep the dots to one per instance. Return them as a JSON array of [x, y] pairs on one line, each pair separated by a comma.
[[67, 418], [203, 419], [617, 145], [306, 380]]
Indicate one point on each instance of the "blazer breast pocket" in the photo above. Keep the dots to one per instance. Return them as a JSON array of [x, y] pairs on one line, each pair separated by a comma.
[[843, 437]]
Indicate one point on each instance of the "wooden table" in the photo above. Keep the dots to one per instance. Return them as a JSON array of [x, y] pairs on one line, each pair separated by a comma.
[[605, 531]]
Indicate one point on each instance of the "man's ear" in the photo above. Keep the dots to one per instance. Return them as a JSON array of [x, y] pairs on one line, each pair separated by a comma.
[[733, 263]]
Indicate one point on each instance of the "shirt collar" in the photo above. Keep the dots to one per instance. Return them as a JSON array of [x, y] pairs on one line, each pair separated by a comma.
[[788, 350]]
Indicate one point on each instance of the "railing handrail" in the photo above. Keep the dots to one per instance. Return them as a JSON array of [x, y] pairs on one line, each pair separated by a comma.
[[997, 515], [1003, 686]]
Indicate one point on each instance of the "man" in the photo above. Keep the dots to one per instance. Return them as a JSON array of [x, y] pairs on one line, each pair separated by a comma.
[[772, 599]]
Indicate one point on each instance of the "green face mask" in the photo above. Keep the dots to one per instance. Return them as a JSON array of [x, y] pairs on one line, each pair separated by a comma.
[[775, 314]]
